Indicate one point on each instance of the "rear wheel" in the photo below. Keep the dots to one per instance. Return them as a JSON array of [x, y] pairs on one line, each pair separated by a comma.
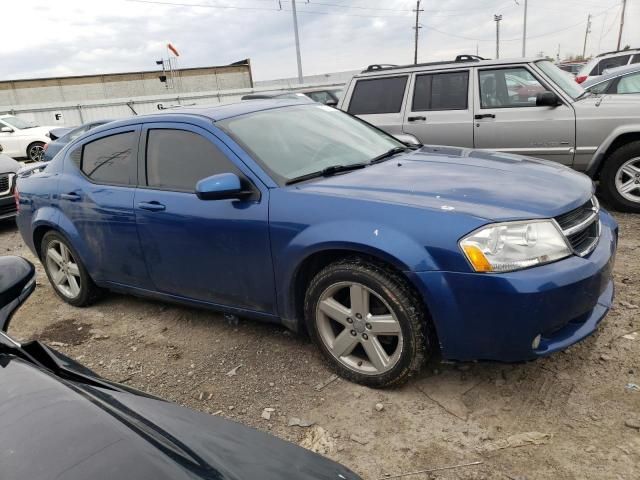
[[35, 151], [66, 272], [620, 178], [367, 322]]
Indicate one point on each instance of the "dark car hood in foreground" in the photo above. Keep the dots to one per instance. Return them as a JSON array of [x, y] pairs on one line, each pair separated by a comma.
[[494, 186], [8, 164], [55, 429]]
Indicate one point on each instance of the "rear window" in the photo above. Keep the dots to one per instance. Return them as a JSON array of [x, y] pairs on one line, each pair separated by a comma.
[[111, 160], [378, 95], [612, 62], [441, 91]]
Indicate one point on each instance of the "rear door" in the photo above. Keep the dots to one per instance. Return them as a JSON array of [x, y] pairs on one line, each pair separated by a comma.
[[217, 251], [508, 120], [440, 108], [380, 101]]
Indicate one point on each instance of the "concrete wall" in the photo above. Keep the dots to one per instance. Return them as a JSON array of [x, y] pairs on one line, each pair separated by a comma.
[[325, 78], [122, 85]]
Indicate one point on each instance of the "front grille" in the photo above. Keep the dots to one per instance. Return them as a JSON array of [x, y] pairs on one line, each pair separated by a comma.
[[5, 183], [7, 209], [581, 226]]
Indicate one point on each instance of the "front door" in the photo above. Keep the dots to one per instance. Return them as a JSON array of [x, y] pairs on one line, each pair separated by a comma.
[[507, 119], [216, 251], [439, 109]]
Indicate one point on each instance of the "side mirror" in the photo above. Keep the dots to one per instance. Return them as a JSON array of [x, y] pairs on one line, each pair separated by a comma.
[[547, 99], [221, 187], [6, 130], [17, 282]]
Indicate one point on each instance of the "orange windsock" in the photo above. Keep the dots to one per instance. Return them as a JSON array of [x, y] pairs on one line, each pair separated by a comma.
[[173, 49]]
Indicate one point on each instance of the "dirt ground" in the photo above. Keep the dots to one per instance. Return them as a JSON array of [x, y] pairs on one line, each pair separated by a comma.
[[575, 415]]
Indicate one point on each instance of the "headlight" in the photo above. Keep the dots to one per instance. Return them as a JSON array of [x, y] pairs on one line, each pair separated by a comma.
[[505, 247]]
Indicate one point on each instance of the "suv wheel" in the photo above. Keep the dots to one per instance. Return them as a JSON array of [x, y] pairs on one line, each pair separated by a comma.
[[35, 151], [367, 322], [66, 272], [620, 178]]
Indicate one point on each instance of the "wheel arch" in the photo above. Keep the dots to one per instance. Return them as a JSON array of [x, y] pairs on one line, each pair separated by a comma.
[[618, 138]]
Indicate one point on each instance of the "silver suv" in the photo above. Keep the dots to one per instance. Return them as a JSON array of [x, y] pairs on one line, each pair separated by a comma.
[[528, 107]]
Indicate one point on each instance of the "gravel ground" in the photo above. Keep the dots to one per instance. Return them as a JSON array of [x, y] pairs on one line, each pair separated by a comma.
[[571, 416]]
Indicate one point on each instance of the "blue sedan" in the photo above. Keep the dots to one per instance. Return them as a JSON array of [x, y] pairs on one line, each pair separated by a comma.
[[297, 213]]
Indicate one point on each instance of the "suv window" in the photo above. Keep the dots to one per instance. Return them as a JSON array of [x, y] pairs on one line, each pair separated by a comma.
[[629, 83], [612, 62], [378, 95], [508, 87], [636, 58], [111, 159], [441, 91], [178, 159]]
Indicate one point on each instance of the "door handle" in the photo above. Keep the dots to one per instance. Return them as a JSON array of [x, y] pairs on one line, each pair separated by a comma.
[[152, 206], [415, 119], [484, 115], [71, 196]]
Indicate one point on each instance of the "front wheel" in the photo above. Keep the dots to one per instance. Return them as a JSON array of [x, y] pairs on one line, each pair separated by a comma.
[[367, 322], [35, 151], [620, 178]]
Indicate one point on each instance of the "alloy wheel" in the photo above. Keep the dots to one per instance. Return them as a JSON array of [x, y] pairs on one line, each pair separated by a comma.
[[628, 180], [36, 152], [63, 269], [359, 328]]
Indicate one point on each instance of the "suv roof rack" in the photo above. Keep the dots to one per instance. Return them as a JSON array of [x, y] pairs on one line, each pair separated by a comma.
[[617, 51], [459, 59]]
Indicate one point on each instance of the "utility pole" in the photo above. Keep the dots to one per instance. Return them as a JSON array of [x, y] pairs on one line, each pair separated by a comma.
[[417, 27], [586, 34], [524, 31], [295, 31], [624, 6], [497, 19]]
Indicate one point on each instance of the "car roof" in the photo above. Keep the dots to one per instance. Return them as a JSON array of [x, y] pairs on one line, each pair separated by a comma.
[[393, 69], [612, 73]]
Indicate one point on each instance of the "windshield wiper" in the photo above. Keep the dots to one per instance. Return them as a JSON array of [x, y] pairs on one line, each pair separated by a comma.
[[327, 172], [388, 154]]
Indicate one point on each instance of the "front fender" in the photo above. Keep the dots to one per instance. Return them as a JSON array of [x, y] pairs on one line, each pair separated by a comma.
[[596, 161], [380, 241]]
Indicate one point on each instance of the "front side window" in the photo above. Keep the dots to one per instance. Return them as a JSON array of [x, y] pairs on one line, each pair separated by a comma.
[[629, 83], [441, 91], [600, 87], [112, 159], [178, 159], [289, 142], [508, 88], [378, 95]]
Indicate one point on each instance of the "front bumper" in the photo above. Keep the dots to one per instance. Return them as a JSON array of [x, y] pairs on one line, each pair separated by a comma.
[[497, 316], [7, 207]]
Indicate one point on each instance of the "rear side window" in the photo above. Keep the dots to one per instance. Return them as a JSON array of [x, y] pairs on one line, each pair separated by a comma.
[[636, 58], [378, 95], [612, 62], [441, 91], [178, 159], [112, 159]]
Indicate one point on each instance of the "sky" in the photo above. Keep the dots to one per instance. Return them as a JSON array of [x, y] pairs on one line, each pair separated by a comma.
[[74, 37]]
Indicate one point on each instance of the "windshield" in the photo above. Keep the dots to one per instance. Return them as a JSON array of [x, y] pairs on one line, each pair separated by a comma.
[[18, 123], [294, 141], [562, 79]]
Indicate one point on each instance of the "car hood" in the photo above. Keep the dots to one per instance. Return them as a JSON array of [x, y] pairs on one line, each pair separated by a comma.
[[493, 186], [55, 428], [8, 164]]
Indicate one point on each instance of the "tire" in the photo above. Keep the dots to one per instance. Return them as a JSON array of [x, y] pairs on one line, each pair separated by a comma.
[[35, 151], [80, 291], [345, 332], [622, 168]]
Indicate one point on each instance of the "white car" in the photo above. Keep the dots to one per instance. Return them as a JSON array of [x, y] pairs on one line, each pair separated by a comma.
[[597, 65], [22, 139]]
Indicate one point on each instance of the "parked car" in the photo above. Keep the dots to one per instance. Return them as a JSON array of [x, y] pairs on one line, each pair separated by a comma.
[[22, 139], [61, 420], [471, 104], [8, 170], [597, 65], [297, 213], [621, 80], [572, 67], [328, 96], [56, 144]]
